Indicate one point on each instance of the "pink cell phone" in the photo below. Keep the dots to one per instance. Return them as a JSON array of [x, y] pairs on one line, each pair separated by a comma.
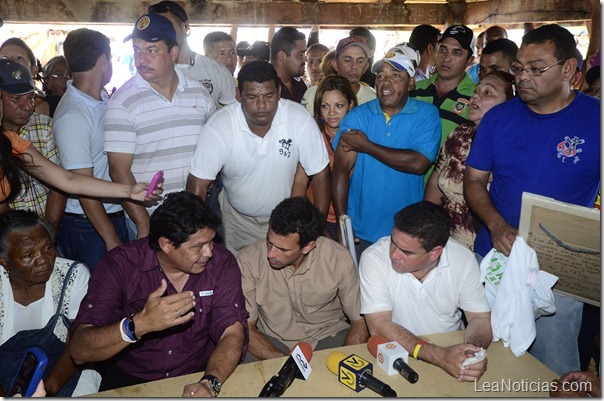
[[153, 185]]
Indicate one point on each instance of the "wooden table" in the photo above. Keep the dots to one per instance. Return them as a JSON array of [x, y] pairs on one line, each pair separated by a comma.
[[506, 376]]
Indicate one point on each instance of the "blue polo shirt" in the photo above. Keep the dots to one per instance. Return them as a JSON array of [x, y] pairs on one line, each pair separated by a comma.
[[378, 191]]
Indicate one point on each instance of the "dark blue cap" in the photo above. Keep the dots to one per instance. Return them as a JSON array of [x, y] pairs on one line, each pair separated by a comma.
[[153, 28]]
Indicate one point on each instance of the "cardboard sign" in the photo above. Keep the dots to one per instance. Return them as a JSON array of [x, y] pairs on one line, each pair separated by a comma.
[[567, 240]]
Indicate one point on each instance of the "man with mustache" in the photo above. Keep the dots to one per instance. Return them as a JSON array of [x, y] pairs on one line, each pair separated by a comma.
[[153, 121], [288, 56], [545, 142], [165, 305]]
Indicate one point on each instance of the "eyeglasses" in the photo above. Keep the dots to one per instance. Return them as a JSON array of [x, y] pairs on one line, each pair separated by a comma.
[[61, 76], [533, 71]]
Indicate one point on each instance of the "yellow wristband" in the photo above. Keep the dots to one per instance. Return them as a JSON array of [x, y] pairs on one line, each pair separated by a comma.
[[417, 347]]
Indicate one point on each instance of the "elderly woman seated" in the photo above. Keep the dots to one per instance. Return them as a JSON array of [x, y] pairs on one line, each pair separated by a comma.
[[31, 282]]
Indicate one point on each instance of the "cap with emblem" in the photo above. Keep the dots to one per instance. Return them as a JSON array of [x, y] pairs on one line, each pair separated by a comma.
[[402, 57], [351, 41], [15, 78], [153, 28], [461, 33]]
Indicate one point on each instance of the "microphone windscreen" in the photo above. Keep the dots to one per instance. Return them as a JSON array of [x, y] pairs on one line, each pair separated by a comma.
[[305, 348], [373, 343], [333, 360]]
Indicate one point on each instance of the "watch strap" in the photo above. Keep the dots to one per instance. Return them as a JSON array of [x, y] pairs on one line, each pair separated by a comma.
[[214, 384]]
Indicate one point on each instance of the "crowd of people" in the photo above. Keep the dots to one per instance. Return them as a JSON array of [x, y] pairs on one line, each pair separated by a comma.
[[237, 255]]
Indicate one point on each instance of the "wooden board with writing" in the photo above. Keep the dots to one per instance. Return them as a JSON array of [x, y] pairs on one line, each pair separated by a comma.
[[567, 240]]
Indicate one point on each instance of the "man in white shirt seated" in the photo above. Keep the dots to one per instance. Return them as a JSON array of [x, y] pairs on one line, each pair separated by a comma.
[[418, 281]]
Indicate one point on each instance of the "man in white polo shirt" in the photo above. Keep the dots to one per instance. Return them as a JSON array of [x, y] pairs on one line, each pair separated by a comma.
[[154, 120], [418, 281], [256, 146]]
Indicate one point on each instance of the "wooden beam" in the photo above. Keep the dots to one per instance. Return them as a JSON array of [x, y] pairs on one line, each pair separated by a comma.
[[378, 13], [503, 12]]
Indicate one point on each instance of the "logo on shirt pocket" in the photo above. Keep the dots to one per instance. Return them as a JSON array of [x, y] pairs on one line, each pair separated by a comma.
[[461, 105]]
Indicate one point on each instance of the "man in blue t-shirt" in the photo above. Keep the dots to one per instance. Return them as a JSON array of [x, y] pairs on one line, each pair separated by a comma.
[[390, 142], [546, 142]]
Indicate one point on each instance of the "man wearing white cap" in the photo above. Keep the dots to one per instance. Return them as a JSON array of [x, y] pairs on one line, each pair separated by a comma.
[[390, 142], [350, 62], [153, 121], [17, 90]]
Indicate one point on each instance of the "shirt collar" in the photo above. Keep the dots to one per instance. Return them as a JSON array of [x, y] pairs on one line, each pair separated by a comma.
[[140, 82], [150, 260], [409, 108]]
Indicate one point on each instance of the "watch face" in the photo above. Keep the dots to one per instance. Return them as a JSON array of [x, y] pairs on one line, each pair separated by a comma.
[[214, 383]]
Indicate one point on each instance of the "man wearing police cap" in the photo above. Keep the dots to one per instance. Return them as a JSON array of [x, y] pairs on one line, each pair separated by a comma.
[[390, 142], [153, 121], [17, 90]]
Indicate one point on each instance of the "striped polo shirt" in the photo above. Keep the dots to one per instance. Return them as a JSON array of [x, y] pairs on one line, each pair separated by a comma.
[[453, 107], [161, 134]]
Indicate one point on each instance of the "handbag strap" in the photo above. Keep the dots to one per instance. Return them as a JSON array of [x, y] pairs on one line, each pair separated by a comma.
[[64, 288]]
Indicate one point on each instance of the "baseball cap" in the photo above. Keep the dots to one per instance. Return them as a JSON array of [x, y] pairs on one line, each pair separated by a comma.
[[15, 78], [351, 41], [592, 74], [153, 28], [169, 6], [402, 57], [461, 33], [259, 49]]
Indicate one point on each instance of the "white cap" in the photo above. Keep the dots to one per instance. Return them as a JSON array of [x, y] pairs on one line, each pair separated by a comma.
[[402, 57]]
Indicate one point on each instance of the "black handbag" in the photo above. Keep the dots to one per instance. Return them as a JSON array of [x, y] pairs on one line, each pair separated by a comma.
[[12, 351]]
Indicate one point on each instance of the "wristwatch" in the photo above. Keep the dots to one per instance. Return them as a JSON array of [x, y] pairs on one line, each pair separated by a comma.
[[214, 382]]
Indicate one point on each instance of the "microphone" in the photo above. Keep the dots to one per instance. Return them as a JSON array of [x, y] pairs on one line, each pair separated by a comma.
[[296, 366], [356, 373], [391, 357]]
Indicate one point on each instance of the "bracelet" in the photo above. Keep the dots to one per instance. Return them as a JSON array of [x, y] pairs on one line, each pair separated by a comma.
[[131, 327], [125, 337], [417, 347]]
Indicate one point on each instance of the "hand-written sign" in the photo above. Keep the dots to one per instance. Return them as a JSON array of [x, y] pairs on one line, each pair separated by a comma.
[[567, 241]]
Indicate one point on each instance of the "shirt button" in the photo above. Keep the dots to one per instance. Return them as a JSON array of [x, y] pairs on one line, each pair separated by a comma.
[[170, 352], [167, 374], [200, 310]]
